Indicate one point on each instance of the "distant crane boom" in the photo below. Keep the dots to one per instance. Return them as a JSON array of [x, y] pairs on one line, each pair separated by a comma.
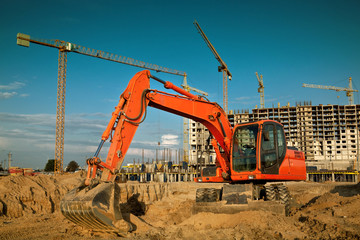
[[71, 47], [349, 91], [261, 90], [65, 47], [222, 68]]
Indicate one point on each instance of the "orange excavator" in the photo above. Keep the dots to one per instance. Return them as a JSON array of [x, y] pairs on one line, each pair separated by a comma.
[[253, 153]]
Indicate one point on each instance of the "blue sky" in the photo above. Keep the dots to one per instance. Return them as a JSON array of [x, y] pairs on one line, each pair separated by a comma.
[[288, 42]]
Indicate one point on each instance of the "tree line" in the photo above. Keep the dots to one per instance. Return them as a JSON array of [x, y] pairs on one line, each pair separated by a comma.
[[71, 167]]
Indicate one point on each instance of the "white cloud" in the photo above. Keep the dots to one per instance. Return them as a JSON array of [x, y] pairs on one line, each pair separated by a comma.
[[148, 153], [242, 98], [169, 140], [4, 143], [148, 143], [12, 86], [73, 123], [32, 138], [6, 95]]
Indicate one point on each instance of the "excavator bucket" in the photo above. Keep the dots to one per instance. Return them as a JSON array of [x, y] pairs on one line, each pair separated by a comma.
[[96, 208]]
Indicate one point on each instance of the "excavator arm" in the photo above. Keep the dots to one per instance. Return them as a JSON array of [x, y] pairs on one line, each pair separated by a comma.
[[131, 111], [95, 204]]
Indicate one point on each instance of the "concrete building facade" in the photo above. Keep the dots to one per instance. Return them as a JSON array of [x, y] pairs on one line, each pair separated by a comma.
[[327, 134], [200, 149]]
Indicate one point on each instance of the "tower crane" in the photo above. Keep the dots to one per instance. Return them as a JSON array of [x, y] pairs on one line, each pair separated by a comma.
[[222, 68], [65, 47], [261, 89], [349, 90]]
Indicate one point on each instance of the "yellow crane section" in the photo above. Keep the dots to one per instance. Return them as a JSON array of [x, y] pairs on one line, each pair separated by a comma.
[[65, 47], [261, 90], [186, 120], [349, 90], [222, 68]]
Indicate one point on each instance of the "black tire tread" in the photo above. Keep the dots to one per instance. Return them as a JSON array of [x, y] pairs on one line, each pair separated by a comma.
[[284, 197], [207, 195], [270, 193]]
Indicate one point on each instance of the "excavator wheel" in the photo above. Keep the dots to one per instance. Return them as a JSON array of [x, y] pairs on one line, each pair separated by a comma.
[[207, 195], [279, 193], [270, 193], [96, 207], [284, 198]]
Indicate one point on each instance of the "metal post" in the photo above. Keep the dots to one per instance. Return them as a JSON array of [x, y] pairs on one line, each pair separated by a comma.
[[357, 147], [225, 91], [9, 160]]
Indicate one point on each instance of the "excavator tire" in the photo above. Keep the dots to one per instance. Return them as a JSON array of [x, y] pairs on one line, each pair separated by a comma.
[[207, 195], [96, 207], [270, 193], [284, 198]]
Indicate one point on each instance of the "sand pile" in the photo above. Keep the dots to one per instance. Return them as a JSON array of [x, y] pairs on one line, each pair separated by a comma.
[[24, 195], [319, 211]]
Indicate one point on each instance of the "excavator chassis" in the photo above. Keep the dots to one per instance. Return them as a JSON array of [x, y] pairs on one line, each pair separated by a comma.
[[234, 198]]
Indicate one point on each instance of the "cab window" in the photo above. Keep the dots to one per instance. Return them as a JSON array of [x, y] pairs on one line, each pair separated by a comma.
[[281, 142], [244, 148], [269, 156], [273, 147]]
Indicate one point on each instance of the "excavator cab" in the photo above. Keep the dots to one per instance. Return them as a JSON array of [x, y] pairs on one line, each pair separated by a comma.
[[259, 154], [258, 148]]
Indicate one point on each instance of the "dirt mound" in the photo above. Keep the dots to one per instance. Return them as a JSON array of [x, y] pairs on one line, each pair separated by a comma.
[[164, 211], [321, 211], [24, 195], [332, 214]]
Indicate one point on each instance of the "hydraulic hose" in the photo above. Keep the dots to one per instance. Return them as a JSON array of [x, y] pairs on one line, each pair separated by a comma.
[[143, 100], [141, 106]]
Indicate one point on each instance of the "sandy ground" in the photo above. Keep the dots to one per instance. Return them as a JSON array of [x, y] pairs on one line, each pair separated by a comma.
[[29, 209]]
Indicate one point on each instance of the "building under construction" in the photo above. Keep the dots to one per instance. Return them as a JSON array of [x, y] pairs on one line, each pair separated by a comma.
[[327, 134]]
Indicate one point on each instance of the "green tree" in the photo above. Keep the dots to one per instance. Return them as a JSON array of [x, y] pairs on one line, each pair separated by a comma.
[[50, 165], [72, 166]]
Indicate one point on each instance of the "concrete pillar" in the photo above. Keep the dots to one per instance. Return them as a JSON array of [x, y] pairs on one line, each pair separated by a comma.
[[333, 177]]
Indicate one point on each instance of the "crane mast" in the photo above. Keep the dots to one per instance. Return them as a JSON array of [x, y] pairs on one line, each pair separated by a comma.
[[222, 68], [188, 88], [349, 90], [261, 90], [65, 47]]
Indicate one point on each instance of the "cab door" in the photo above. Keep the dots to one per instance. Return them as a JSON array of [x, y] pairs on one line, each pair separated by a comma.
[[273, 147]]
